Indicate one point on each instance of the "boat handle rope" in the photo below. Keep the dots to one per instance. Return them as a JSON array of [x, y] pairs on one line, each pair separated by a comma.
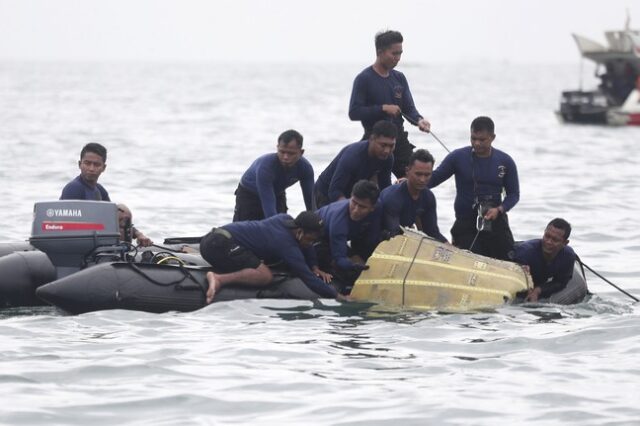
[[412, 121], [404, 280], [606, 280], [186, 272]]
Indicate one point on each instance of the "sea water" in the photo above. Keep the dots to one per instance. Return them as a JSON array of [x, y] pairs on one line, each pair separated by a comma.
[[179, 137]]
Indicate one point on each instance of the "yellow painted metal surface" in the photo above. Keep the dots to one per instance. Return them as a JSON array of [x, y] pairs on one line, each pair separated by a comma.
[[416, 272]]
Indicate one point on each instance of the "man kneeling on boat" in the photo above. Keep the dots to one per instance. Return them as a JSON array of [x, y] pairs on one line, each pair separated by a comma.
[[239, 252], [549, 260]]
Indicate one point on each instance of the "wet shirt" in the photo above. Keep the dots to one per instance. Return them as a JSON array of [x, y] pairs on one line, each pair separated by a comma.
[[481, 178], [339, 229], [78, 189], [400, 209], [352, 164], [371, 91], [271, 240], [266, 177], [550, 277]]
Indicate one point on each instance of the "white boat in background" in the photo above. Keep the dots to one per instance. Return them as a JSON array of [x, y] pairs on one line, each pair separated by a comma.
[[616, 101]]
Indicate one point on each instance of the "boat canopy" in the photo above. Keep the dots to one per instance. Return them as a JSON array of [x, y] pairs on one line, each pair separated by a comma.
[[622, 45]]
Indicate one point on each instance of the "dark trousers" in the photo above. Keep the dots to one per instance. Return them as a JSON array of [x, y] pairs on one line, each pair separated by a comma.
[[249, 207], [496, 243]]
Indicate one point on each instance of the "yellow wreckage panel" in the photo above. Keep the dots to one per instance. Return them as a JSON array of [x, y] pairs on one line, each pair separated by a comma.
[[415, 271]]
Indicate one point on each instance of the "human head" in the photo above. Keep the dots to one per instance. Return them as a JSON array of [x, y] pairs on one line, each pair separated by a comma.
[[382, 141], [556, 236], [124, 221], [419, 170], [388, 48], [308, 228], [93, 161], [482, 135], [364, 197], [289, 148]]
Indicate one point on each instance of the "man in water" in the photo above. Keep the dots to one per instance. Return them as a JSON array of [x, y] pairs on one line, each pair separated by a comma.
[[369, 159], [93, 161], [239, 252], [261, 192], [482, 173], [549, 260], [411, 201], [356, 221], [382, 93]]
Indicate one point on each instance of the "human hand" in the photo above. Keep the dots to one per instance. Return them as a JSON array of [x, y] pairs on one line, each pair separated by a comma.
[[324, 276], [143, 240], [360, 267], [391, 109], [533, 295], [344, 298], [424, 125], [492, 213]]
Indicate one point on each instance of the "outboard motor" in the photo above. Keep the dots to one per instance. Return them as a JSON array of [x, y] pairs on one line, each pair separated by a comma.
[[71, 231]]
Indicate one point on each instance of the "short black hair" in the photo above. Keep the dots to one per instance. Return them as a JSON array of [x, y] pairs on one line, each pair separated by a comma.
[[483, 123], [289, 135], [561, 224], [421, 155], [366, 189], [384, 39], [385, 128], [95, 148], [309, 222]]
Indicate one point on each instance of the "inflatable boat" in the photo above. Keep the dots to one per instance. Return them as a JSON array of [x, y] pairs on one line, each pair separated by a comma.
[[414, 271]]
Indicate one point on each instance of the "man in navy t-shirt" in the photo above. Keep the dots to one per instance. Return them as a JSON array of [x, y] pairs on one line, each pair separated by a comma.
[[370, 159], [550, 260], [482, 173], [382, 93], [411, 202], [93, 161], [261, 192], [239, 251], [357, 221]]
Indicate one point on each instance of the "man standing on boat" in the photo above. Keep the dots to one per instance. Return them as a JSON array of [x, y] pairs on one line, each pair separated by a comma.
[[357, 221], [482, 173], [411, 201], [382, 93], [370, 159], [549, 260], [239, 252], [261, 192]]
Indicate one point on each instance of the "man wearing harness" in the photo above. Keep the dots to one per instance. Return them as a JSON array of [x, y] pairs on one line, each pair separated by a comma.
[[239, 251], [481, 173], [261, 192], [382, 93], [549, 260], [411, 202], [370, 159]]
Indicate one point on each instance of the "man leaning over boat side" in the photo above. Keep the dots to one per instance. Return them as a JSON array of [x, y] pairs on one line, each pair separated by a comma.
[[481, 173], [549, 260], [92, 163], [357, 221], [239, 252], [382, 93], [369, 159], [411, 201], [261, 191]]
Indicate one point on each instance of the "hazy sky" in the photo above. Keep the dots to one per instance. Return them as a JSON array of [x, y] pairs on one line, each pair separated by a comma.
[[303, 31]]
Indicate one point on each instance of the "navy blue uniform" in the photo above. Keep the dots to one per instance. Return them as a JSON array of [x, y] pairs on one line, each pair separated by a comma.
[[371, 91], [352, 164], [78, 189], [480, 180], [400, 209], [339, 229], [272, 241], [550, 277], [261, 192]]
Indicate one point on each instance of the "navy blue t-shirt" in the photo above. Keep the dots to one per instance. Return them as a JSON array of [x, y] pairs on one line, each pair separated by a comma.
[[400, 209], [339, 229], [352, 164], [550, 277], [267, 178], [484, 178], [78, 189], [272, 241], [371, 91]]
